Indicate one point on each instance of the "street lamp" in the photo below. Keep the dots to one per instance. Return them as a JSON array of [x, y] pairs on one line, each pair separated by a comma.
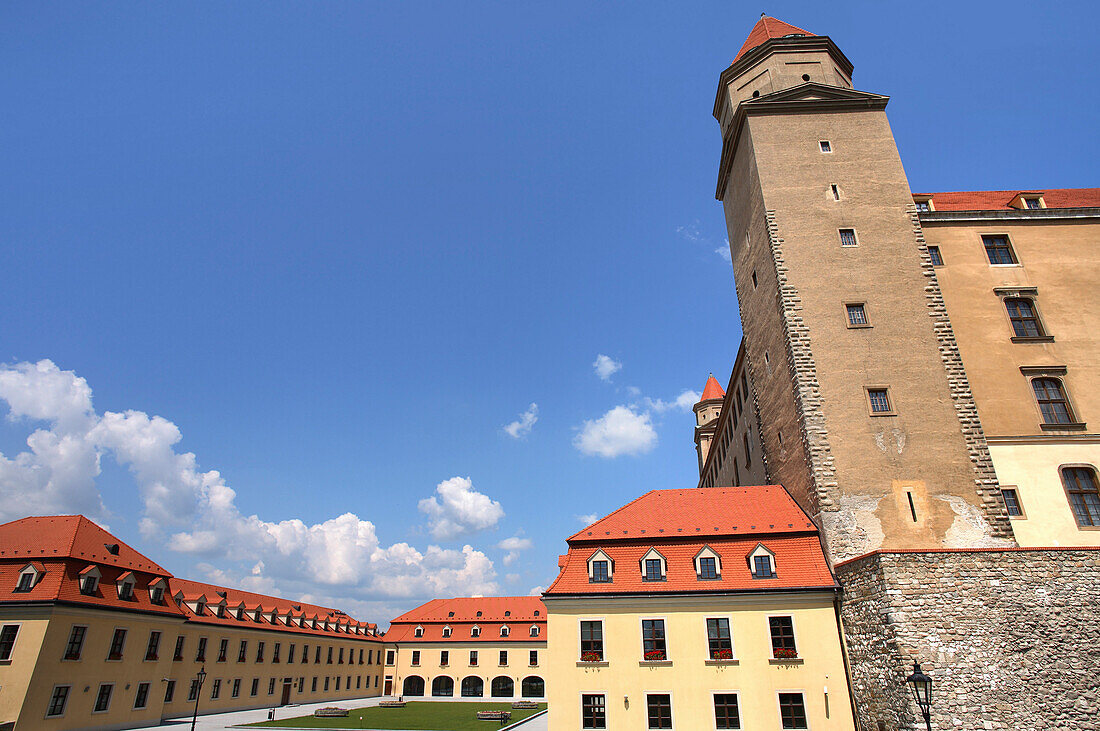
[[200, 677], [921, 685]]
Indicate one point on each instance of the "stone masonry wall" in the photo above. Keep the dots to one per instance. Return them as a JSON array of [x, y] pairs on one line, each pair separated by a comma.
[[1009, 637]]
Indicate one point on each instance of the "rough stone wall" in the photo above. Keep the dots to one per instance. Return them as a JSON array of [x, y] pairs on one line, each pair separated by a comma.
[[1008, 636]]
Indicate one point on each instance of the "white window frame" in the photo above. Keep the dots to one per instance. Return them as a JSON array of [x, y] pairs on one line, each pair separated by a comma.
[[821, 147], [110, 699], [418, 631], [778, 708], [671, 704], [651, 554], [535, 631], [505, 630], [36, 576], [599, 555], [606, 706], [708, 552], [641, 638], [15, 643], [447, 630], [762, 550], [603, 635], [740, 718], [733, 643], [475, 631]]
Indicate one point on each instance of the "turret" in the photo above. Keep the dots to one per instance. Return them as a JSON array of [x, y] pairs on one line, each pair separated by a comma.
[[707, 410]]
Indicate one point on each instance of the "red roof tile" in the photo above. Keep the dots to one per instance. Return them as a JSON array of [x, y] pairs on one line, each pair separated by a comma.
[[74, 536], [713, 389], [433, 616], [996, 200], [766, 29]]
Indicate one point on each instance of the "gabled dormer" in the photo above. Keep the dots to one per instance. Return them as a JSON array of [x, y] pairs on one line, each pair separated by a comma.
[[505, 630], [89, 580], [197, 604], [447, 631], [29, 576], [475, 631], [124, 585], [158, 589], [762, 562], [708, 564], [418, 632], [1028, 201], [653, 565], [535, 630], [601, 568], [241, 611]]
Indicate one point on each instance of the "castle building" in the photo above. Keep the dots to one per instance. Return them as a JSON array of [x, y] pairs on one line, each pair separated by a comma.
[[922, 369], [93, 634], [697, 609], [469, 647]]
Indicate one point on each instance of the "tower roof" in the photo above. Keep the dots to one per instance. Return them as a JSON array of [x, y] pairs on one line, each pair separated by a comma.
[[766, 29], [713, 390]]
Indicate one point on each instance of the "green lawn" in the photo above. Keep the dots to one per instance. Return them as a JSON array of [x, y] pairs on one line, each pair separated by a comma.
[[440, 715]]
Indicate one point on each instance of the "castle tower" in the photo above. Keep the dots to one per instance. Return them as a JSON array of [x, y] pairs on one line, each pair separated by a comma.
[[707, 411], [866, 411]]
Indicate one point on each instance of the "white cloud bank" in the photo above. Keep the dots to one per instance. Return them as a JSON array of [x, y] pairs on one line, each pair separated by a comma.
[[605, 367], [683, 402], [620, 431], [341, 556], [522, 426]]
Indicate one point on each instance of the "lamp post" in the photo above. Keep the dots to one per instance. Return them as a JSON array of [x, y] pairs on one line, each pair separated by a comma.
[[921, 685], [200, 677]]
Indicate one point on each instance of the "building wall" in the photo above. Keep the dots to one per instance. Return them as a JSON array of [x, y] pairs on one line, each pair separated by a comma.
[[459, 667], [47, 668], [732, 463], [689, 676], [1007, 636]]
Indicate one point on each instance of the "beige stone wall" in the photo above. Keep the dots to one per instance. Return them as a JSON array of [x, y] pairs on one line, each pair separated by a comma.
[[738, 457], [458, 667]]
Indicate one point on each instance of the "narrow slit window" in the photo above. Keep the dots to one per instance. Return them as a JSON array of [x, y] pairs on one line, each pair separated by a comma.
[[912, 507], [836, 192]]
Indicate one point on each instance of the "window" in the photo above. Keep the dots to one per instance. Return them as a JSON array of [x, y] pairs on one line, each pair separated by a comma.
[[503, 659], [725, 711], [328, 661], [473, 657], [89, 584], [126, 591], [745, 441], [825, 146], [533, 658], [835, 191], [935, 255], [653, 640], [317, 655], [216, 689], [271, 686], [534, 630], [177, 656], [153, 648], [708, 567], [259, 652], [1052, 401], [719, 642], [505, 631], [75, 644], [256, 685], [475, 631], [446, 631], [880, 400], [659, 710], [591, 641], [290, 654], [157, 595], [599, 572], [58, 699], [416, 657], [313, 687], [7, 641], [1025, 322], [857, 315], [1080, 485], [762, 567], [444, 657], [1033, 203], [200, 653], [236, 692], [653, 570], [923, 207], [792, 711], [26, 581], [279, 646], [418, 632], [782, 632], [755, 283], [998, 249], [389, 657], [169, 691], [223, 649], [103, 698], [1012, 502], [193, 691], [118, 641], [593, 711], [848, 237], [326, 684], [242, 651]]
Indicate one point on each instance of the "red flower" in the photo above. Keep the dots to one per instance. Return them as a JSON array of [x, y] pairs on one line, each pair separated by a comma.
[[591, 656], [785, 653], [655, 655], [722, 654]]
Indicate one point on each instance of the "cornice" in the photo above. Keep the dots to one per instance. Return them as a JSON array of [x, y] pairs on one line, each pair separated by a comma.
[[1032, 215]]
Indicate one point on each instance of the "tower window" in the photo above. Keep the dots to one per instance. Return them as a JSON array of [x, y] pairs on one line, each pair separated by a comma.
[[1025, 322], [754, 284], [847, 237], [935, 256], [1052, 400], [1012, 502], [999, 250], [1080, 483], [836, 192], [857, 315], [825, 146], [880, 401]]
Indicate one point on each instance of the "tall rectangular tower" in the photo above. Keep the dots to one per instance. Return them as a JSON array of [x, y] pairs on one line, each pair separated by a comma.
[[867, 415]]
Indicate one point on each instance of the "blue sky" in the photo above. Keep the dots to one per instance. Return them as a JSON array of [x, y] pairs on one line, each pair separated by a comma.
[[338, 247]]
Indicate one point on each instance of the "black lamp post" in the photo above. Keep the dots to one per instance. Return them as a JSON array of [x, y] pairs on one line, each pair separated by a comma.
[[201, 677], [921, 685]]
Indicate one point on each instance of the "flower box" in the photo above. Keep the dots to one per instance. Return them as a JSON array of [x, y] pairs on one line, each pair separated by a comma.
[[591, 656], [655, 656], [785, 653], [722, 654]]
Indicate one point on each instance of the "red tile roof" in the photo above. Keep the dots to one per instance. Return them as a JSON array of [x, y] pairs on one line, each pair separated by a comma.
[[732, 521], [713, 389], [766, 29], [996, 200], [433, 616], [60, 536]]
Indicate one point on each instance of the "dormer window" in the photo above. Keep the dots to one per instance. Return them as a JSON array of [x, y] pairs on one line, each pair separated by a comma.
[[89, 581], [600, 568], [923, 203], [1028, 201], [156, 591], [126, 591], [507, 613], [653, 566], [708, 565], [475, 631], [534, 630], [450, 614], [199, 607], [504, 631], [762, 562], [446, 631], [479, 613], [418, 632], [537, 613], [28, 577]]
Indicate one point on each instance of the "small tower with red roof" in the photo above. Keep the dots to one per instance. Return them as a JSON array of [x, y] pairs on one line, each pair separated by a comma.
[[707, 410]]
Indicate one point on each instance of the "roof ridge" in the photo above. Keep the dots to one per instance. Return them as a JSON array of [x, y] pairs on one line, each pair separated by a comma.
[[613, 512]]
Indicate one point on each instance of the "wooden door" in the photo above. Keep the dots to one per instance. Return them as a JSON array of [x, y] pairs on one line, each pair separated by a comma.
[[286, 692]]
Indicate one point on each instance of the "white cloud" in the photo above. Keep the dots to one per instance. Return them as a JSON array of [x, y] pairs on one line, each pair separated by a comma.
[[620, 431], [724, 253], [536, 591], [605, 367], [683, 402], [458, 509], [513, 546], [342, 557], [522, 426], [587, 520]]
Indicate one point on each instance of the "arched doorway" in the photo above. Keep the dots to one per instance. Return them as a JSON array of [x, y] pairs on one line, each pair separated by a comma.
[[473, 687], [503, 687], [533, 687], [443, 687], [413, 685]]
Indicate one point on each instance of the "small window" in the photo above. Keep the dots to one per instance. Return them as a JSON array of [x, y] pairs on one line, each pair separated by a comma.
[[177, 656], [446, 631], [389, 657], [418, 632], [935, 256], [719, 640], [126, 591], [653, 640], [534, 630], [999, 250], [59, 698], [89, 584], [502, 659], [782, 634], [169, 691], [653, 570], [103, 698], [75, 645], [1052, 400], [923, 206], [848, 237], [659, 710], [593, 711], [599, 572], [533, 658], [591, 641], [216, 689], [708, 567], [762, 567], [792, 710], [236, 692], [726, 714], [478, 613], [1025, 321], [505, 631], [825, 146], [754, 283], [7, 641], [200, 653], [1012, 502], [118, 642], [416, 657], [1080, 483], [857, 315], [475, 632], [223, 649], [473, 657], [835, 191], [152, 650], [880, 401], [26, 581], [444, 657], [1033, 203]]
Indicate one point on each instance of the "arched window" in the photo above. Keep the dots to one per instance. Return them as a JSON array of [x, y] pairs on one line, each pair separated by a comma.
[[473, 687], [534, 630], [533, 687], [504, 631], [475, 631], [1052, 401], [443, 687], [1083, 496], [418, 632], [503, 687], [446, 631], [413, 686], [1025, 322]]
